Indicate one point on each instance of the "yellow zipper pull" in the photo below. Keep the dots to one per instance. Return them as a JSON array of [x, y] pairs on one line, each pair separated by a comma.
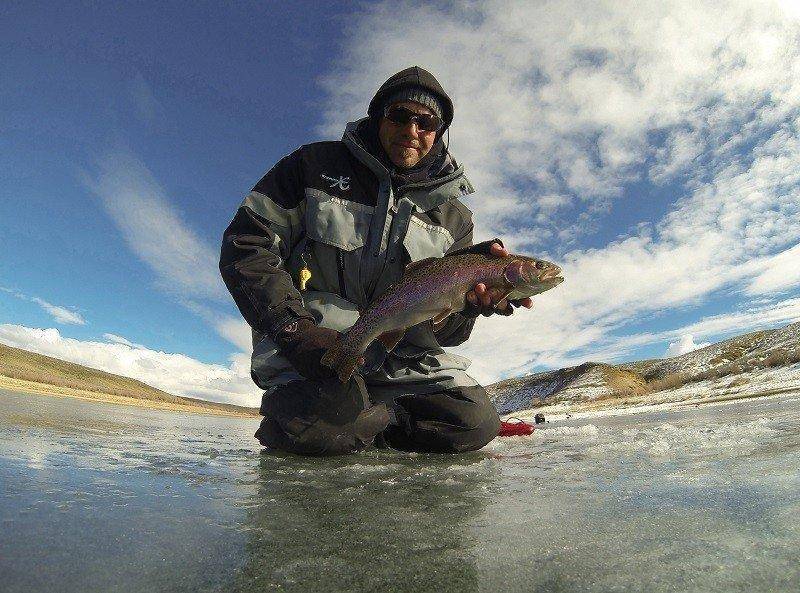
[[305, 273]]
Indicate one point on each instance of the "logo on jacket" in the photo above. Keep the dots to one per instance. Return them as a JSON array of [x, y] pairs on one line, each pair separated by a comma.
[[343, 183]]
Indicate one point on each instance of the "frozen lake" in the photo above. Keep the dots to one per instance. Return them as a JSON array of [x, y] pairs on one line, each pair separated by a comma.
[[97, 497]]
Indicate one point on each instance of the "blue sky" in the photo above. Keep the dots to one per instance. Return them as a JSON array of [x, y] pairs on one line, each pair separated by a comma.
[[207, 98], [651, 151]]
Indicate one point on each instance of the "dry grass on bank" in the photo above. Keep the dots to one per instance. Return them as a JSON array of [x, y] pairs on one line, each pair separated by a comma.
[[776, 358], [35, 369]]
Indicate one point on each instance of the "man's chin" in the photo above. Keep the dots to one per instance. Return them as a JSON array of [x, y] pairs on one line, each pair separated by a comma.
[[405, 162]]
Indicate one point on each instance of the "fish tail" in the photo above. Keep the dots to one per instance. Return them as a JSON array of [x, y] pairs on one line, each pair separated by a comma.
[[343, 357]]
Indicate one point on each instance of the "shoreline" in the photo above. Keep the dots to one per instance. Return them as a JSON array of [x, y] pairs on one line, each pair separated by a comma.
[[22, 385], [562, 411], [624, 406]]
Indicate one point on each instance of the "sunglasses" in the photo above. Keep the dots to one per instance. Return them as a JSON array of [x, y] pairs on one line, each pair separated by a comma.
[[401, 116]]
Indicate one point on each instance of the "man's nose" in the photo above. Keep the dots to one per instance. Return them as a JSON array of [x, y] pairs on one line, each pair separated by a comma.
[[412, 128]]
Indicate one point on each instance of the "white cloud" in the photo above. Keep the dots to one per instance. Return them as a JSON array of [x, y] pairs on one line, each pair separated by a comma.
[[565, 104], [115, 339], [236, 331], [233, 329], [779, 272], [564, 97], [154, 229], [185, 265], [683, 345], [766, 314], [174, 373], [145, 104], [58, 313]]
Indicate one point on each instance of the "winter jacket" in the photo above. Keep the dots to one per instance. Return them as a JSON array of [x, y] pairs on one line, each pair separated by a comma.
[[339, 210]]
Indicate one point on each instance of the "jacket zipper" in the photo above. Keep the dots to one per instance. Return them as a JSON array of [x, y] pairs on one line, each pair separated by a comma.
[[342, 288]]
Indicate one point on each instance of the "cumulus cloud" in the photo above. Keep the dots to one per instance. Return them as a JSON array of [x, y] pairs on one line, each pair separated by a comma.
[[683, 345], [174, 373], [564, 106], [115, 339], [566, 97]]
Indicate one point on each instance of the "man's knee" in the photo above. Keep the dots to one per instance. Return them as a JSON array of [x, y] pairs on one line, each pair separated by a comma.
[[312, 418], [479, 417], [451, 421]]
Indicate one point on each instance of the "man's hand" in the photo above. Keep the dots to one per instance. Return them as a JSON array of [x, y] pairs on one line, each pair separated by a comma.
[[487, 301], [304, 343]]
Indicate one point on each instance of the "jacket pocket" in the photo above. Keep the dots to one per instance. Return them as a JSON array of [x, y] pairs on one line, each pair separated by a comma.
[[336, 222], [336, 231], [426, 240]]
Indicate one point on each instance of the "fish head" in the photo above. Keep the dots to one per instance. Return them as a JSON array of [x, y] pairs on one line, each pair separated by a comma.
[[529, 276]]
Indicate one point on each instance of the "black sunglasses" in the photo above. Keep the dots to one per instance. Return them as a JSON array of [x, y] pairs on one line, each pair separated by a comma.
[[402, 116]]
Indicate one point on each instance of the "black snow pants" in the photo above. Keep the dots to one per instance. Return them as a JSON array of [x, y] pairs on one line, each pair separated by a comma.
[[331, 418]]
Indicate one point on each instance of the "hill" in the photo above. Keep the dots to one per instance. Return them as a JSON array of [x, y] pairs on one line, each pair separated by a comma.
[[22, 369], [757, 363]]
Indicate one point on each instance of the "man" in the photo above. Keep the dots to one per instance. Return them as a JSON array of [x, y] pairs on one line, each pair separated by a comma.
[[319, 237]]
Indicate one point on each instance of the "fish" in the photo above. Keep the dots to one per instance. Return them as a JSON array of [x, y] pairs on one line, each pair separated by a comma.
[[433, 289]]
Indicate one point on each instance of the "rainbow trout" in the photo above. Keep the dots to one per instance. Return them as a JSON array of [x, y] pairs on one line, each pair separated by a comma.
[[434, 288]]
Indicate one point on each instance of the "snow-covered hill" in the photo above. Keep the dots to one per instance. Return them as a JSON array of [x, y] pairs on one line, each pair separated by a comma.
[[761, 362]]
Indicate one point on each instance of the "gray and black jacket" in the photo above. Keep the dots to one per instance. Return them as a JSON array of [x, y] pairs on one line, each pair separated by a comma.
[[338, 209]]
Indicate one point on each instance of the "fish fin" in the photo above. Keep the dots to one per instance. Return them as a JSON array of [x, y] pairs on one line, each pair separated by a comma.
[[342, 357], [442, 315], [418, 265], [508, 308], [391, 338]]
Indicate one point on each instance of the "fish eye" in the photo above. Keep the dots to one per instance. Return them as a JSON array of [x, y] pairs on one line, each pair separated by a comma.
[[540, 265]]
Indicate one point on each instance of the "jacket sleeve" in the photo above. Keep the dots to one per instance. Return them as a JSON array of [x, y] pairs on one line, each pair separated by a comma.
[[258, 242], [456, 329]]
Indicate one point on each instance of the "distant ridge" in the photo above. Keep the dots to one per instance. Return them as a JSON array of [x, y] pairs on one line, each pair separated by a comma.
[[757, 363], [753, 364], [38, 368]]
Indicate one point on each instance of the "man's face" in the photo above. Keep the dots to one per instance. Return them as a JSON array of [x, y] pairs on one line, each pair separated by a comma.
[[406, 144]]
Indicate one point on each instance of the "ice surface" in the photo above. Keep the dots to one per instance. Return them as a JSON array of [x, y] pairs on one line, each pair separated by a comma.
[[105, 498]]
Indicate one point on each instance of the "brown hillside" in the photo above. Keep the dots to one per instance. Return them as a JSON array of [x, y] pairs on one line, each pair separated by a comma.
[[29, 366], [730, 363]]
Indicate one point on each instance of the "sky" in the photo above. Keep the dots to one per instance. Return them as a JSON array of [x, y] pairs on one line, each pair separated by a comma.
[[650, 148]]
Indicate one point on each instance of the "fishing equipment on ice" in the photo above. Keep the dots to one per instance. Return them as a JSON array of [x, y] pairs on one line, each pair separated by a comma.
[[518, 428]]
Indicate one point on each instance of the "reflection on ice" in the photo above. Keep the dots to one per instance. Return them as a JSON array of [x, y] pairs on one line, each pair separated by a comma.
[[99, 497]]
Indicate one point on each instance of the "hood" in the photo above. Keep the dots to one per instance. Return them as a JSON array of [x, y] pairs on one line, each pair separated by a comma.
[[413, 76], [437, 163]]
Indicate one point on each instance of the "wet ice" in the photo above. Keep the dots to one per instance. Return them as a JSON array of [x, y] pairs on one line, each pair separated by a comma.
[[98, 497]]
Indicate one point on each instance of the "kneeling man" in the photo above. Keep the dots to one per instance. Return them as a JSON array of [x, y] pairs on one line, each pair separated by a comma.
[[319, 237]]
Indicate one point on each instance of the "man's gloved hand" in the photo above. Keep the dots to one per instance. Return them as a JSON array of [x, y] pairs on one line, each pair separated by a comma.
[[485, 301], [304, 343]]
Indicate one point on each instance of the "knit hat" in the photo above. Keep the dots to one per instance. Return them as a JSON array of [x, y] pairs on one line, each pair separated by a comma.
[[417, 94], [418, 82]]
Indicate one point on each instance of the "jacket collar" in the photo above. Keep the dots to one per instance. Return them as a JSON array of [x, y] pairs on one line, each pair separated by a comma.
[[425, 194]]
